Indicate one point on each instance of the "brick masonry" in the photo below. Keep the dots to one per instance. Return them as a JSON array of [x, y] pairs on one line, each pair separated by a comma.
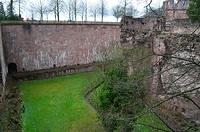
[[42, 46], [166, 78], [175, 10]]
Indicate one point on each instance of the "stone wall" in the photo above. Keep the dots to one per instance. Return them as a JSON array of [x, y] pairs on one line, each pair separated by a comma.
[[182, 27], [137, 31], [175, 10], [179, 14], [169, 74], [178, 70], [42, 46]]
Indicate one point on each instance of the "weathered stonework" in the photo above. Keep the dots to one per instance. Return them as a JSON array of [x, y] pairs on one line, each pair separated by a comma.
[[168, 75], [43, 46], [182, 27], [175, 10]]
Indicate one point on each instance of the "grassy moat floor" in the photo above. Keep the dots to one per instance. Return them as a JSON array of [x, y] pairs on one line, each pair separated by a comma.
[[58, 105]]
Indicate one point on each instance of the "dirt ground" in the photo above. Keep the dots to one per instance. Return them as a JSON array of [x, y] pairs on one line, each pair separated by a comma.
[[10, 109]]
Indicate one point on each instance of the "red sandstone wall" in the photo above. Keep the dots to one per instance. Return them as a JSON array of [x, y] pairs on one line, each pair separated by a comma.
[[178, 14], [34, 47]]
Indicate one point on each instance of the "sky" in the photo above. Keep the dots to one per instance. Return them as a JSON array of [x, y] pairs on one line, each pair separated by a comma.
[[138, 4]]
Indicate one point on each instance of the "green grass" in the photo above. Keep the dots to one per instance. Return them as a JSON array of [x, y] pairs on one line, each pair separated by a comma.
[[150, 119], [58, 105]]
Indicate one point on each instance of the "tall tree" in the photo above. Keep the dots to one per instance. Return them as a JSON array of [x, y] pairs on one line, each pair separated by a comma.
[[94, 11], [20, 6], [19, 2], [82, 9], [56, 6], [194, 11], [86, 10], [2, 11], [70, 10], [47, 11], [58, 9], [125, 4], [74, 8], [32, 10], [39, 8], [117, 12], [102, 9], [10, 8], [131, 11]]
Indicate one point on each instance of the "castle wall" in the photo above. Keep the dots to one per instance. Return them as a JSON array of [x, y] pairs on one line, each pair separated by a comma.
[[43, 46], [183, 27], [173, 10], [168, 74], [175, 14]]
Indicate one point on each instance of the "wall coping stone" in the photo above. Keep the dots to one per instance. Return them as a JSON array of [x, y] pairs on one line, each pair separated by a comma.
[[59, 23]]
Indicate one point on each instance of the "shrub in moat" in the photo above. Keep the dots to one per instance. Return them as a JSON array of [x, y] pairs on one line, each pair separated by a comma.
[[121, 97]]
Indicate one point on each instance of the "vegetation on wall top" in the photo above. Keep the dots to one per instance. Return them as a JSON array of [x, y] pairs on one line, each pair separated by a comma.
[[194, 10]]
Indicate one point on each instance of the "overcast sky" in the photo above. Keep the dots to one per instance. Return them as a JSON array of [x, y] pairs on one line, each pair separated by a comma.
[[138, 4]]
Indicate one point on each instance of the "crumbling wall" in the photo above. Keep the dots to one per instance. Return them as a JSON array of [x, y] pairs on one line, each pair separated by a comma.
[[183, 27], [137, 31], [43, 46], [179, 73], [170, 74], [175, 10]]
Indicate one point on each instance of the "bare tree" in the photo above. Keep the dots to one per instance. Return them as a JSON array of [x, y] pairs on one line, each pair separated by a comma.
[[125, 4], [117, 12], [52, 5], [102, 9], [2, 11], [82, 9], [32, 11], [56, 6], [20, 6], [10, 8], [47, 11], [94, 11], [39, 8], [67, 9], [131, 11], [74, 9], [86, 10]]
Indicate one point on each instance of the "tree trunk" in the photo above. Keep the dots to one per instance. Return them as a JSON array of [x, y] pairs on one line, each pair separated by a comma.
[[58, 11], [86, 11], [75, 10], [20, 8], [11, 8]]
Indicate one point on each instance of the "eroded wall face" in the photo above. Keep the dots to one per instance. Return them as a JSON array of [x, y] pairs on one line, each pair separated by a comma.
[[169, 73], [179, 72], [175, 10], [35, 47], [177, 14]]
